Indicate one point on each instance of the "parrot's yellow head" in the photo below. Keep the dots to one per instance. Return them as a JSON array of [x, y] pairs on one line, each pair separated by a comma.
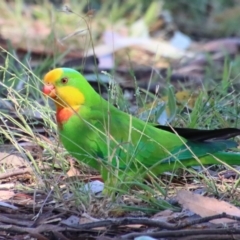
[[65, 86]]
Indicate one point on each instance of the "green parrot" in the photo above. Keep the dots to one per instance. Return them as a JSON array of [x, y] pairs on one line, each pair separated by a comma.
[[120, 145]]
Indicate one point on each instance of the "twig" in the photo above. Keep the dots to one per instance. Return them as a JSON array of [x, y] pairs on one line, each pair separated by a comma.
[[17, 229], [122, 221], [44, 203], [14, 173], [41, 209], [148, 222], [206, 219], [210, 237], [15, 221], [184, 233], [44, 228]]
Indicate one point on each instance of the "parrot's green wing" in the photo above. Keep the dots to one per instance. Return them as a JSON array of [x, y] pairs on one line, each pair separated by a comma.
[[148, 146]]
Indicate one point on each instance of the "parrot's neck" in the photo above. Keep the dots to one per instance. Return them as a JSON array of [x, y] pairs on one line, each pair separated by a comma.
[[64, 113]]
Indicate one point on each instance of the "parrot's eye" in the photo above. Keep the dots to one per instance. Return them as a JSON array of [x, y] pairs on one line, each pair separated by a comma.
[[64, 80]]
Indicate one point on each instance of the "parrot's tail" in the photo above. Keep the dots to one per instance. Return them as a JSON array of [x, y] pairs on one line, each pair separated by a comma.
[[229, 158], [219, 158]]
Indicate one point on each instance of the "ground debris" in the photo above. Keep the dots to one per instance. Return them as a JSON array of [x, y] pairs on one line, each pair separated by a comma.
[[45, 218]]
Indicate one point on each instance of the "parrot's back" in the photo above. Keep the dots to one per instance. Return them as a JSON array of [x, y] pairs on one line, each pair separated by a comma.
[[116, 139]]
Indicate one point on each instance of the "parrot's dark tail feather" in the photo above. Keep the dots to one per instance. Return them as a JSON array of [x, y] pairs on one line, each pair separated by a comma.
[[199, 135]]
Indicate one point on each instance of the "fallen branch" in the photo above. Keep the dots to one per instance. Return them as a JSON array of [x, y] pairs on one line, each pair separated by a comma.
[[14, 173], [111, 223], [147, 222], [15, 221], [214, 233], [17, 229]]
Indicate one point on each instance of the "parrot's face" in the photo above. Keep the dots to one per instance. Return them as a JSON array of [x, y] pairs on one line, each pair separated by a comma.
[[63, 88]]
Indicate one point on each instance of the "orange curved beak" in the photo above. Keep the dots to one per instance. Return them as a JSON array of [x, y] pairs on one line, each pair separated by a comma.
[[49, 90]]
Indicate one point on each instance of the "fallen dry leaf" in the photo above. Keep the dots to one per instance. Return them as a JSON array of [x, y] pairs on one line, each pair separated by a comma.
[[9, 160], [74, 221], [167, 215], [72, 171], [229, 45], [161, 48], [6, 194], [206, 206]]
